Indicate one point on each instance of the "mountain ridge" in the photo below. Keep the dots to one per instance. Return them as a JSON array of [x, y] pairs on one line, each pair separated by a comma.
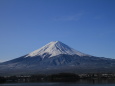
[[56, 57]]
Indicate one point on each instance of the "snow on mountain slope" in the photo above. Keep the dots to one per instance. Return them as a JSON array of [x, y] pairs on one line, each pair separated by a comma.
[[55, 48]]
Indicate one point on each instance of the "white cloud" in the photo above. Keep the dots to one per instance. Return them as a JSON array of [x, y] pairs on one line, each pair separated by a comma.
[[69, 18], [97, 17]]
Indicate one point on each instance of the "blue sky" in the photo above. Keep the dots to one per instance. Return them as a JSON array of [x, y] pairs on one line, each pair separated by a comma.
[[85, 25]]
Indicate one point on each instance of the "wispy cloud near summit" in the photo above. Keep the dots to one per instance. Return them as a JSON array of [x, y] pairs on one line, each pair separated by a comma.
[[75, 17]]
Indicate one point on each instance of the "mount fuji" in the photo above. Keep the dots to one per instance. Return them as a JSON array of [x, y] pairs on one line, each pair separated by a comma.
[[57, 57]]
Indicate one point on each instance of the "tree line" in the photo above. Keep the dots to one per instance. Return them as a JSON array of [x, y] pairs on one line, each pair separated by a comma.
[[61, 77]]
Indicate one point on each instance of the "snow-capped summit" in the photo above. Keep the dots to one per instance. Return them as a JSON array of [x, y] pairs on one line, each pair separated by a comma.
[[55, 48]]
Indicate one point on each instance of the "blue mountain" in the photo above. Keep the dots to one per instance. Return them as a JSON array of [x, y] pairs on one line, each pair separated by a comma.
[[57, 57]]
